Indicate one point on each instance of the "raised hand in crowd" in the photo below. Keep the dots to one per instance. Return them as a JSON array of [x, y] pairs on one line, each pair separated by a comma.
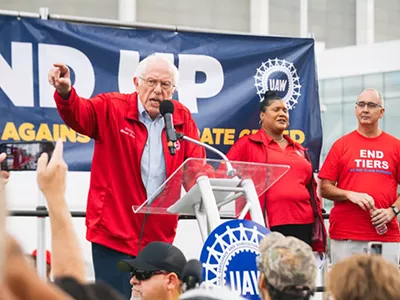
[[18, 280], [67, 259]]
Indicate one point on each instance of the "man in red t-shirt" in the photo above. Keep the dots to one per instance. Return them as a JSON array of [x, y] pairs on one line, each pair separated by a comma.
[[361, 175]]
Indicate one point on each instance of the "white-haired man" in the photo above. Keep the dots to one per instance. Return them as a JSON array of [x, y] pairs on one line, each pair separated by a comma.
[[361, 175], [129, 134]]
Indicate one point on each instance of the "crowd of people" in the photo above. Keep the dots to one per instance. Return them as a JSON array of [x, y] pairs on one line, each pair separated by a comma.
[[133, 255]]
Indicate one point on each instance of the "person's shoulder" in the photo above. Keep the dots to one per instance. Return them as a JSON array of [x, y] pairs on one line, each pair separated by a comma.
[[391, 141], [118, 101], [116, 96], [348, 138], [391, 138], [248, 138]]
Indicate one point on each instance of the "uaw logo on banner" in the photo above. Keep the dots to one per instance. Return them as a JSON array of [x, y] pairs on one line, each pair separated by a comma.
[[279, 76], [229, 256]]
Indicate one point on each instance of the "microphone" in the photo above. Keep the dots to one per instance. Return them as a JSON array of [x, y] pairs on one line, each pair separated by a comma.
[[166, 110], [192, 275]]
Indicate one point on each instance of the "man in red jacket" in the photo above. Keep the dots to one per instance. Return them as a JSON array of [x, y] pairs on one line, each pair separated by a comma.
[[129, 134]]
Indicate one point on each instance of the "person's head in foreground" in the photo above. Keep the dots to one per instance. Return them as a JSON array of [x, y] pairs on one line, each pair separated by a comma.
[[211, 293], [156, 272], [288, 268], [366, 277]]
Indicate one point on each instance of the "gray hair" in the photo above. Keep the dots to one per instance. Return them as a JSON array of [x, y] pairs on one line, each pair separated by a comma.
[[143, 65], [378, 93]]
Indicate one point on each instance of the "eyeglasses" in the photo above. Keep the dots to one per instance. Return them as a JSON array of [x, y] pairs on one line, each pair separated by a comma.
[[165, 85], [145, 275], [370, 105]]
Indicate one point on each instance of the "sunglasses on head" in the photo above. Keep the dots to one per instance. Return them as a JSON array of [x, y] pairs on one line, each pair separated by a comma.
[[142, 275]]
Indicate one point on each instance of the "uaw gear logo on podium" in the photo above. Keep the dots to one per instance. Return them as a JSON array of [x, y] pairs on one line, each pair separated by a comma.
[[229, 256], [215, 189], [279, 76]]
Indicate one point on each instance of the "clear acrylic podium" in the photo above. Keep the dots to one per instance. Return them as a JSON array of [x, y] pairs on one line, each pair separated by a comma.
[[209, 189]]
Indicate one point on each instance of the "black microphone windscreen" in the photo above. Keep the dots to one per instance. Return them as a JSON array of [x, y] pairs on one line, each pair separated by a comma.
[[192, 270], [166, 107]]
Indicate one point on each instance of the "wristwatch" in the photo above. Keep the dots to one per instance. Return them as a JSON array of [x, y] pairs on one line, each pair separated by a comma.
[[395, 210]]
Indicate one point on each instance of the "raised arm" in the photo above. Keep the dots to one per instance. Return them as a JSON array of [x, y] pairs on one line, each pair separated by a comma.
[[67, 259], [80, 114]]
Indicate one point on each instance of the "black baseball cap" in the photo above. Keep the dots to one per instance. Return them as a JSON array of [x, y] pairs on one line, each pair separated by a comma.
[[156, 256]]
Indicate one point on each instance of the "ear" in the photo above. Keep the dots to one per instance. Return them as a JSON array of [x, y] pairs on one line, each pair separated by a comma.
[[382, 113], [261, 281], [136, 82], [172, 281]]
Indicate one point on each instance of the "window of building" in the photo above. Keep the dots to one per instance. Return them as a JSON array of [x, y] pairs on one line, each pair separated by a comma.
[[387, 20], [333, 21]]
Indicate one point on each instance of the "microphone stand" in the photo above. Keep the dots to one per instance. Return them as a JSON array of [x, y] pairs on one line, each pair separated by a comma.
[[230, 170]]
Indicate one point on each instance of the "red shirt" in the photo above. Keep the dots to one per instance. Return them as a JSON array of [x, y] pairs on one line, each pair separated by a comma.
[[116, 184], [365, 165], [287, 200]]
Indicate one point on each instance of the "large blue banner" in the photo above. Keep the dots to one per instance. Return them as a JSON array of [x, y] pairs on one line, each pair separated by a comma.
[[223, 79]]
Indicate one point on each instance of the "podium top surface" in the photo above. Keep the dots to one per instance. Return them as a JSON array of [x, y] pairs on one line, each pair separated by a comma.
[[182, 185]]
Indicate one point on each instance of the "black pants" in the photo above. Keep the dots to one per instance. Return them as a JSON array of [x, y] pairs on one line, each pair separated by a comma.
[[105, 262], [301, 231]]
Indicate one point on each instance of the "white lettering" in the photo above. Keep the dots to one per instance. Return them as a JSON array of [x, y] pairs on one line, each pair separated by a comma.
[[277, 85], [20, 72], [377, 164], [369, 164], [363, 153], [17, 81], [188, 89], [128, 62], [75, 60], [370, 153], [235, 283], [244, 282], [358, 163], [247, 284]]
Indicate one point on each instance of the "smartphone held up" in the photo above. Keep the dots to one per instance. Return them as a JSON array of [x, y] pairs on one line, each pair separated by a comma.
[[24, 156]]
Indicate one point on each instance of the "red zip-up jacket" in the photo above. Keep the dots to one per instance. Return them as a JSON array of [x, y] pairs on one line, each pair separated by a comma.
[[254, 148], [116, 183]]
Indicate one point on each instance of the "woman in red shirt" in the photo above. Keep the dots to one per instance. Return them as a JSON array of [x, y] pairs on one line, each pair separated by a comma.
[[292, 205]]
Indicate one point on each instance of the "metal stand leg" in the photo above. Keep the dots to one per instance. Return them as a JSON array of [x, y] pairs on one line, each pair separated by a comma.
[[201, 221], [41, 240], [252, 198], [209, 203]]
